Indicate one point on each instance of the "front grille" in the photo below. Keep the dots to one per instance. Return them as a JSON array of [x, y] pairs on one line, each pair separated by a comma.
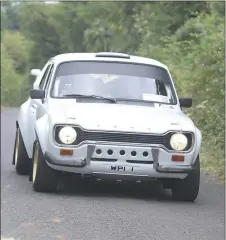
[[120, 137], [84, 135]]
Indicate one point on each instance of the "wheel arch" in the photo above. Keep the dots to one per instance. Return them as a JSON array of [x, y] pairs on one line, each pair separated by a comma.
[[198, 136], [22, 136], [22, 123], [42, 132]]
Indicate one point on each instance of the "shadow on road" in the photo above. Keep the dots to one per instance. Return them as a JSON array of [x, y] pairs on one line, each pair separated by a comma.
[[150, 191], [76, 187]]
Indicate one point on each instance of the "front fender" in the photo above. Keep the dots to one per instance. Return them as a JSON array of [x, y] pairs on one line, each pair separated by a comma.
[[198, 141], [42, 131], [24, 122]]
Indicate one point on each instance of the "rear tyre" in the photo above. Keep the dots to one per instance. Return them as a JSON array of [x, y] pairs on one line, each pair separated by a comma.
[[44, 178], [187, 189], [20, 157]]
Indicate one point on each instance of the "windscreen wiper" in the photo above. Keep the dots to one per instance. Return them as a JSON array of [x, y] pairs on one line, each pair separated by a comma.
[[111, 99], [135, 100], [140, 100]]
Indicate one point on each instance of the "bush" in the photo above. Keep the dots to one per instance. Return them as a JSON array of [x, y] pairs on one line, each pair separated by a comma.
[[195, 56]]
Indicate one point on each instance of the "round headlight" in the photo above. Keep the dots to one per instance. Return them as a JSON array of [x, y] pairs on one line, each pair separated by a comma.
[[67, 135], [178, 141]]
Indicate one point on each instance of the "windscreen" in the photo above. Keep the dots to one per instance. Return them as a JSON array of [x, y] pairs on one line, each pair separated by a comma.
[[111, 79]]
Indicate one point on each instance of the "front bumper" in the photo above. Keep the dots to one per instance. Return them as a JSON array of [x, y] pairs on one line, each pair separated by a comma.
[[75, 162], [86, 161]]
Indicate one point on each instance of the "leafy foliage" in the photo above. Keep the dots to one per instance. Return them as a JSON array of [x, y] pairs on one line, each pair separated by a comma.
[[187, 36], [10, 83]]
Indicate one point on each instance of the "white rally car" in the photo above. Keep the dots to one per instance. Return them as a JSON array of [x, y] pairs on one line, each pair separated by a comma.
[[107, 115]]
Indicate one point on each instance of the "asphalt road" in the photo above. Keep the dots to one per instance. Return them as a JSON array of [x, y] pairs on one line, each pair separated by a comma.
[[102, 212]]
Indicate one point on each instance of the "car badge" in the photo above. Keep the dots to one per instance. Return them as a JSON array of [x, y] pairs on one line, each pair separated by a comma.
[[175, 123], [71, 117]]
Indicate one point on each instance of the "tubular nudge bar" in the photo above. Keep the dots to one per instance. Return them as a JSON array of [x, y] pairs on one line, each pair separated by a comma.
[[82, 162]]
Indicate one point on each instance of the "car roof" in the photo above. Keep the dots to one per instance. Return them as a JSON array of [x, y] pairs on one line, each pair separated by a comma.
[[106, 56]]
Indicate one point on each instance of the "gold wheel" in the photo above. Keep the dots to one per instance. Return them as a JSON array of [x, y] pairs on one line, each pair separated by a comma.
[[17, 146], [35, 163]]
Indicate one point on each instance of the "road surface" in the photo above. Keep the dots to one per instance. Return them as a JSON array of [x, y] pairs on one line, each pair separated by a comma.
[[104, 212]]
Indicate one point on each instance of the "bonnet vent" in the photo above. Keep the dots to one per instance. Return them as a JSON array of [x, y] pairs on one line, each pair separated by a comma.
[[112, 55]]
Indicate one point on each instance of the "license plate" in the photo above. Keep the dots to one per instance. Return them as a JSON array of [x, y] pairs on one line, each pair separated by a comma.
[[121, 168]]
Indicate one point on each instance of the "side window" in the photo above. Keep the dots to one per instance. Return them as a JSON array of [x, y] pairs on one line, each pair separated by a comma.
[[44, 77], [46, 85]]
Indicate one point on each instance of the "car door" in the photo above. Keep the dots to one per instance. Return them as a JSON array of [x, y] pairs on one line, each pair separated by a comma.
[[27, 114], [35, 109]]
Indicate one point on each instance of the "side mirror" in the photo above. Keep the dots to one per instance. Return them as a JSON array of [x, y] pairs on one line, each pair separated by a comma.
[[37, 94], [185, 102], [35, 72]]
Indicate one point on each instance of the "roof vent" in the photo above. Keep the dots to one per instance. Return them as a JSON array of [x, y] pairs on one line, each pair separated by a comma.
[[112, 55]]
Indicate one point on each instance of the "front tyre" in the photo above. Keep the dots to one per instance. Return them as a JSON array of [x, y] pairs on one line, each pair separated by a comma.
[[44, 178], [187, 189], [20, 157]]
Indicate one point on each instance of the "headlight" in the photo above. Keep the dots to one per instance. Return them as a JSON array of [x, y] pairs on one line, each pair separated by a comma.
[[67, 135], [178, 141]]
